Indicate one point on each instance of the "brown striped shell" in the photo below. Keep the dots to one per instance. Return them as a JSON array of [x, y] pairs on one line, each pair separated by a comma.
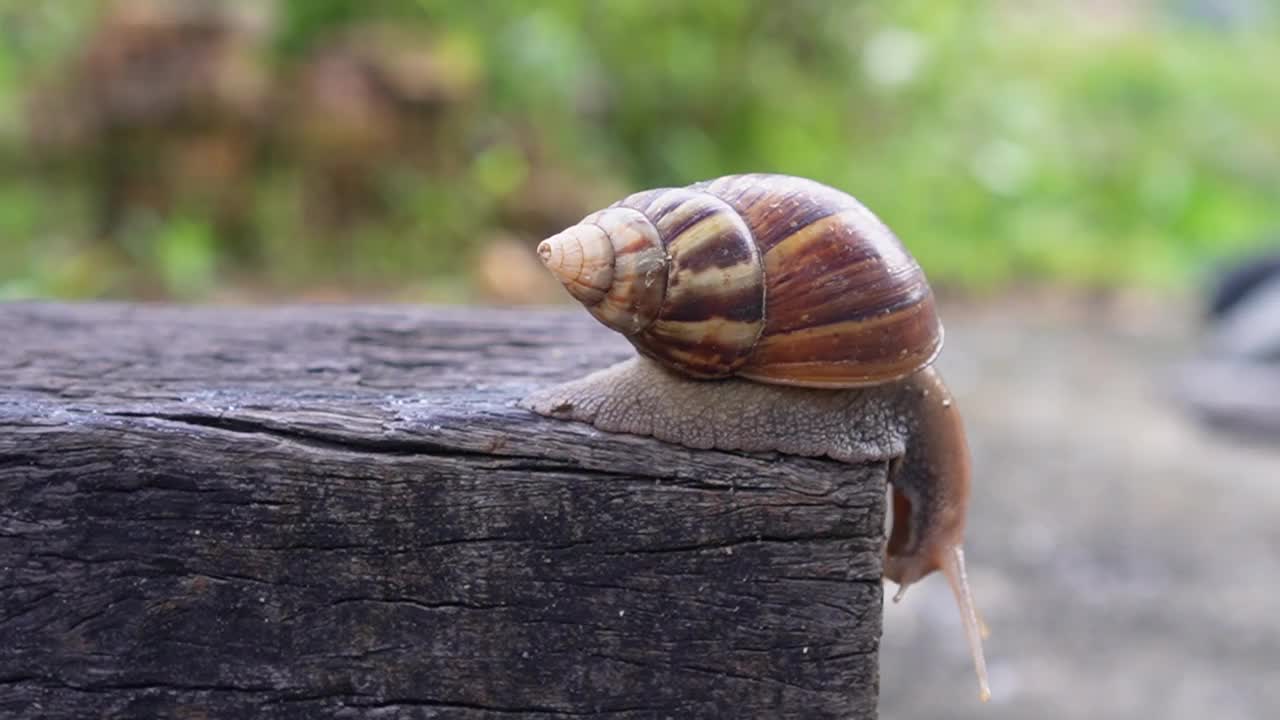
[[771, 277]]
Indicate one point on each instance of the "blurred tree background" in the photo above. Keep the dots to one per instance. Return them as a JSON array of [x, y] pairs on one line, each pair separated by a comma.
[[418, 149]]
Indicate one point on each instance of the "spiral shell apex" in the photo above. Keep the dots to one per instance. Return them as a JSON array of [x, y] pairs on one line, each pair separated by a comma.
[[613, 262], [775, 278]]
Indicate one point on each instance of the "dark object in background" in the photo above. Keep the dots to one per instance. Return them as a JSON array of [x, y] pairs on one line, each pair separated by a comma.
[[163, 101], [1241, 282], [1234, 382], [1244, 313], [372, 98]]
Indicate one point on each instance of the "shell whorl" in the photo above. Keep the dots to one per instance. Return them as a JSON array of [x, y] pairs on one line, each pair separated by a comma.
[[698, 306], [775, 278], [614, 263]]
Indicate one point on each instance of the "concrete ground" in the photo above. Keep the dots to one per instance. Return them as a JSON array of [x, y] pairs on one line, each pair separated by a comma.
[[1126, 558]]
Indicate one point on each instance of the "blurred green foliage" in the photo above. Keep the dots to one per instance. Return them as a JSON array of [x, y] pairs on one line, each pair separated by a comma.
[[1004, 142]]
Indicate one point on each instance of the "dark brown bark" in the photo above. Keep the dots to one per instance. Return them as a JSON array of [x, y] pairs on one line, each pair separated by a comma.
[[339, 512]]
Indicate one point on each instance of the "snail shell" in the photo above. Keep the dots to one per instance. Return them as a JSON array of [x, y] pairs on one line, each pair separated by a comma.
[[773, 278]]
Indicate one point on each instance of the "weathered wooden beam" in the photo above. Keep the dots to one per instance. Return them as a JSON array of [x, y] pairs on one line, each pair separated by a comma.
[[339, 512]]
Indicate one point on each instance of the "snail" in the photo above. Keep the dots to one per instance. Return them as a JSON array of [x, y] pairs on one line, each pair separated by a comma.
[[775, 313]]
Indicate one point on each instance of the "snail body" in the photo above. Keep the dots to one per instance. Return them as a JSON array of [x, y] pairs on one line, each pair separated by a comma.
[[776, 314]]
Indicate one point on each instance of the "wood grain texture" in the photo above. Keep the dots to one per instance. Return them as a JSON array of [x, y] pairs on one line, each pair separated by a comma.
[[339, 512]]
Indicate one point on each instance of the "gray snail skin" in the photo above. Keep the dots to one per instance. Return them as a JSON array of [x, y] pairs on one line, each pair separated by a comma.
[[776, 314]]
